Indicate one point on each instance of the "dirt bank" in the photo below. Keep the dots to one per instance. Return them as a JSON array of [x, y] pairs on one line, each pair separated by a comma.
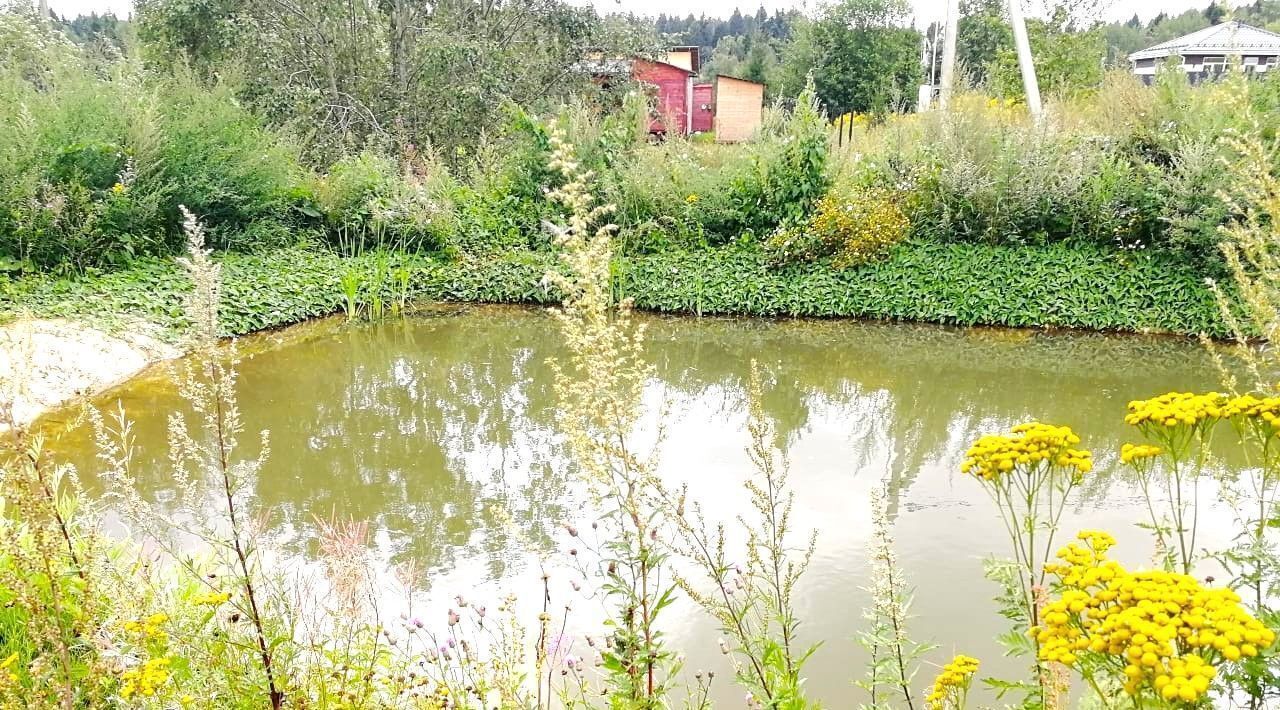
[[46, 363]]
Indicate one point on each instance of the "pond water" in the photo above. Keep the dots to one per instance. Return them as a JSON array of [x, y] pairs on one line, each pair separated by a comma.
[[435, 427]]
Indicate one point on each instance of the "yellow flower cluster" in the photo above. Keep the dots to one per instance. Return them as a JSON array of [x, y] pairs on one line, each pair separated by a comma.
[[1028, 446], [148, 628], [1176, 409], [858, 119], [691, 199], [862, 226], [952, 683], [8, 675], [1132, 453], [210, 598], [145, 679], [852, 225], [1264, 410], [1165, 627]]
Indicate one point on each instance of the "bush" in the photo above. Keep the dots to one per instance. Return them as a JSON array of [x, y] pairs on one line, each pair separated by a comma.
[[501, 204], [218, 161], [686, 194], [1130, 167], [851, 226], [95, 159], [366, 201]]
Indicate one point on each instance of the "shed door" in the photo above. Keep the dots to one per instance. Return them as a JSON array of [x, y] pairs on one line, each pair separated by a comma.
[[703, 108]]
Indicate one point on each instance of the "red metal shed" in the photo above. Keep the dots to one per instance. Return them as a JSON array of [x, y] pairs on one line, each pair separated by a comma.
[[704, 108], [674, 94]]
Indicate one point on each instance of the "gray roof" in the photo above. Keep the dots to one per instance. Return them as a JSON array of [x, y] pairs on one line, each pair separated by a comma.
[[602, 67], [1227, 38]]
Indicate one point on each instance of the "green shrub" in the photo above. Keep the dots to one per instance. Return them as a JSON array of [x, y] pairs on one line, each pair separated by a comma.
[[851, 226], [95, 158], [220, 162], [366, 201], [686, 194], [500, 205], [680, 195], [791, 163], [1130, 167]]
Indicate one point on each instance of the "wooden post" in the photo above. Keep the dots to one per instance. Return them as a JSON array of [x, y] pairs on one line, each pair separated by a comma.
[[1025, 62]]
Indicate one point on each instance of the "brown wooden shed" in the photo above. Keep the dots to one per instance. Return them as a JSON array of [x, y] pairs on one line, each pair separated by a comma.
[[739, 108]]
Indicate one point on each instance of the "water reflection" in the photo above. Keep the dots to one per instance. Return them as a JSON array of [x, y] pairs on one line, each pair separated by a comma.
[[440, 431]]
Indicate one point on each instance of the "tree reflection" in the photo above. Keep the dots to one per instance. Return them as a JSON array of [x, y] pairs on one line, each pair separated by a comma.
[[440, 430]]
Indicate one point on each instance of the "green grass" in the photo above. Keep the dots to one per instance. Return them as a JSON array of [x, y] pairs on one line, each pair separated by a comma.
[[960, 284]]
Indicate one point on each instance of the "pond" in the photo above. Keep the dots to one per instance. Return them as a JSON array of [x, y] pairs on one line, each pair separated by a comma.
[[439, 430]]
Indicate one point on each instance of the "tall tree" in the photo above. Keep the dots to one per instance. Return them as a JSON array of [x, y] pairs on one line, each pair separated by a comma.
[[1215, 13], [866, 58], [386, 73], [983, 34]]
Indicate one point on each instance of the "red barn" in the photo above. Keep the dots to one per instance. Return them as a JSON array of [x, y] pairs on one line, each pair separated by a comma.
[[680, 106], [673, 94]]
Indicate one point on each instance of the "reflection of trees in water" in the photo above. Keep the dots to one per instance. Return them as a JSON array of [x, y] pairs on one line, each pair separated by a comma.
[[447, 423], [927, 392], [440, 431], [430, 429]]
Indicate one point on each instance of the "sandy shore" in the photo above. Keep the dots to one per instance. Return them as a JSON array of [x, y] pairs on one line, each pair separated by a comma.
[[47, 363]]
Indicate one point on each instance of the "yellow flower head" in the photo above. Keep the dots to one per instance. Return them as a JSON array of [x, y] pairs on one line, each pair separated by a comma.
[[210, 598], [7, 676], [145, 679], [1253, 410], [692, 198], [1176, 409], [1137, 453], [952, 684], [1165, 630], [1026, 448], [148, 628]]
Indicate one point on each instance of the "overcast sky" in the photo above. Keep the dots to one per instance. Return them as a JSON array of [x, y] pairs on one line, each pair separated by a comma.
[[926, 10]]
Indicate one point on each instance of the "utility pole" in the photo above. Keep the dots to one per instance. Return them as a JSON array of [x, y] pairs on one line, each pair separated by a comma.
[[949, 53], [924, 96], [1023, 45], [44, 10]]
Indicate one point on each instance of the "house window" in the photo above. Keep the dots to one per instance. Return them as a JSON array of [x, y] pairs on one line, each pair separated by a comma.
[[1214, 64]]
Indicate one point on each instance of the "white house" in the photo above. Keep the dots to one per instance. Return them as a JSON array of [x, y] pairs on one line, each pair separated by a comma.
[[1206, 53]]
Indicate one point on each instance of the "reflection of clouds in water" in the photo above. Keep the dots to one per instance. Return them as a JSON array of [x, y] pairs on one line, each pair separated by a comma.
[[440, 432]]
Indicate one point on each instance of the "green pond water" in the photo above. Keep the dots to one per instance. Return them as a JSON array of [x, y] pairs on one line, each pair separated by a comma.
[[437, 428]]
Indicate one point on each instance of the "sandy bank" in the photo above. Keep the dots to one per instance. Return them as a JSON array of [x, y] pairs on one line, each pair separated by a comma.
[[46, 363]]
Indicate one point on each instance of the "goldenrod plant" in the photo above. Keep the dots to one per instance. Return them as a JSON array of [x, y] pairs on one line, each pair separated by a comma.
[[1179, 425], [206, 464], [49, 571], [951, 687]]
